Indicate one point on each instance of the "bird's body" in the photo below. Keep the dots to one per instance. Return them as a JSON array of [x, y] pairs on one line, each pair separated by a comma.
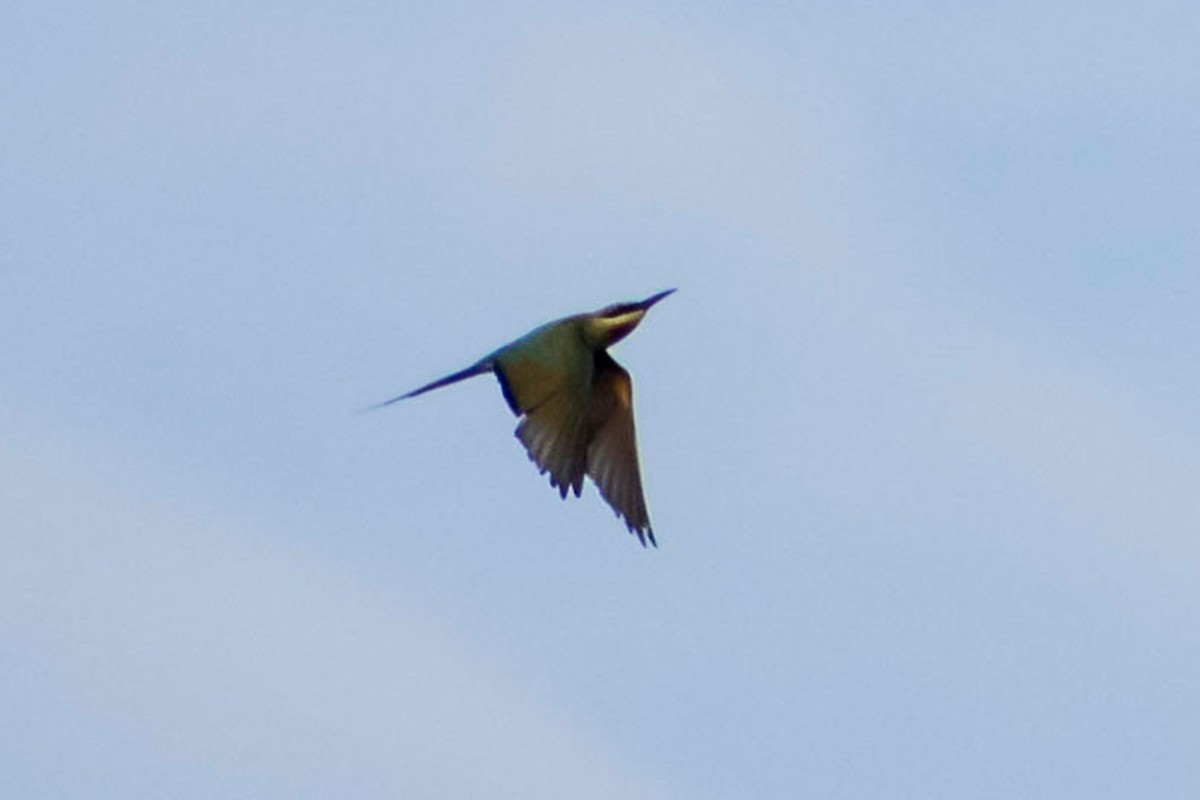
[[575, 403]]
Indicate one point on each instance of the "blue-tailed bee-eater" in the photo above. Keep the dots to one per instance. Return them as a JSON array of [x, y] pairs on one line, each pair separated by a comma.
[[575, 403]]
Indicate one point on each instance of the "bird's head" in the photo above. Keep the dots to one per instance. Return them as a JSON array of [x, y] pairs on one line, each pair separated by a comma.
[[613, 323]]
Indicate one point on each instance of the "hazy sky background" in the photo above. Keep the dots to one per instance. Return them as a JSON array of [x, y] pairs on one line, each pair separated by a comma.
[[919, 430]]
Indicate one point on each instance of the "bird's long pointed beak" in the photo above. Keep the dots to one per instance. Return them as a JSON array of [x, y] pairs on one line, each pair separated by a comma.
[[649, 301]]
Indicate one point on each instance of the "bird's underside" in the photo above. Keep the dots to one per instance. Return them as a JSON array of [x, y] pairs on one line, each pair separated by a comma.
[[568, 438]]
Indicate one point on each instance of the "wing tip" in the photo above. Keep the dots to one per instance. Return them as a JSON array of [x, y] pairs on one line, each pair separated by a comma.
[[642, 530]]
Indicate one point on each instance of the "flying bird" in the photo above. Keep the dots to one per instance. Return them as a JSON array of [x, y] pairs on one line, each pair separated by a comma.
[[575, 404]]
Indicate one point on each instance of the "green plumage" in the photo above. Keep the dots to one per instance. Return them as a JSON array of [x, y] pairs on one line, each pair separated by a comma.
[[575, 404]]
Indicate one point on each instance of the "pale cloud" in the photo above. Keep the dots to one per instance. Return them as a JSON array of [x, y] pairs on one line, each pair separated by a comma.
[[620, 101], [173, 635]]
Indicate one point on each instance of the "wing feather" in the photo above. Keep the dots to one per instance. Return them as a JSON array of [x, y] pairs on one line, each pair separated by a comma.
[[612, 460], [553, 436], [546, 382]]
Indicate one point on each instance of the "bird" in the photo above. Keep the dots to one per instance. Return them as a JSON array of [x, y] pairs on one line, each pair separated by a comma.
[[574, 403]]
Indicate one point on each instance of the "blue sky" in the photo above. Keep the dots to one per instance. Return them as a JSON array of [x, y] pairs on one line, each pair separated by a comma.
[[918, 429]]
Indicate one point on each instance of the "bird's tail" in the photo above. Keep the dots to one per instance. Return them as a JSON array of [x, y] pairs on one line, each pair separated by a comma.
[[479, 368]]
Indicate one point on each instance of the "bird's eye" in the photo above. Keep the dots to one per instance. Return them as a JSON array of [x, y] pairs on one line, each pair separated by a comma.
[[618, 310]]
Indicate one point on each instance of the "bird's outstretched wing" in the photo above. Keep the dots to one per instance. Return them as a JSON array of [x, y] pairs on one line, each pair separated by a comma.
[[552, 403], [612, 460]]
